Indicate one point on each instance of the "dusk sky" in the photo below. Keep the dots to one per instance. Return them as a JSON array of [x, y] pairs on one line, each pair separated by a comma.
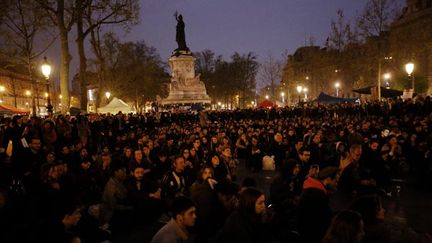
[[227, 26]]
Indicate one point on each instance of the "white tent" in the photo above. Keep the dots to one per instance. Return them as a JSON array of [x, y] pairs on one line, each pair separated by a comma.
[[115, 106]]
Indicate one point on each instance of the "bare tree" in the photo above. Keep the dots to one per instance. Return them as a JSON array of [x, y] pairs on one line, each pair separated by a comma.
[[341, 33], [62, 14], [271, 73], [377, 16], [92, 14], [22, 23]]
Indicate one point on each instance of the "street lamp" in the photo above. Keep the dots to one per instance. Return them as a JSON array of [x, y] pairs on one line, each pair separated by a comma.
[[387, 77], [2, 90], [305, 91], [107, 95], [282, 94], [337, 85], [267, 97], [299, 90], [46, 71], [409, 68]]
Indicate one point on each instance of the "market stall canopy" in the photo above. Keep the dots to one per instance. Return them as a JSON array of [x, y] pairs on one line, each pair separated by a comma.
[[115, 106], [10, 110], [385, 93], [266, 104], [328, 99]]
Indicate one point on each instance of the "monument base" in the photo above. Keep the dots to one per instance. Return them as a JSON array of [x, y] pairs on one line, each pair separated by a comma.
[[185, 86]]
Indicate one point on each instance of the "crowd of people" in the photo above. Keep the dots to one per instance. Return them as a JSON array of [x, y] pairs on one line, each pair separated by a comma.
[[94, 177]]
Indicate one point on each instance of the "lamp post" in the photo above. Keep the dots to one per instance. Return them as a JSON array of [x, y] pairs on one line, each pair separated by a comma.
[[108, 95], [305, 91], [387, 77], [299, 90], [337, 85], [409, 68], [46, 71], [2, 90], [27, 93], [282, 94]]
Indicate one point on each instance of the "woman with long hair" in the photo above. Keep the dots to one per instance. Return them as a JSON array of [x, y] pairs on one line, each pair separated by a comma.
[[375, 227], [346, 227], [246, 224]]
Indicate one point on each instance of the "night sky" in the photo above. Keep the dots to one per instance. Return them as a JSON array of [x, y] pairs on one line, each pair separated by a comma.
[[226, 26]]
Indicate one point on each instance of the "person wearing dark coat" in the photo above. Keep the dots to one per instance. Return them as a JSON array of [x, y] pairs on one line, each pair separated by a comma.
[[376, 227], [205, 198], [31, 159], [174, 182], [246, 224], [142, 195], [59, 227], [314, 213]]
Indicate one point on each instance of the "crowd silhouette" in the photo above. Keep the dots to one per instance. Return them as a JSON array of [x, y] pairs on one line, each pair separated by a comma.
[[96, 178]]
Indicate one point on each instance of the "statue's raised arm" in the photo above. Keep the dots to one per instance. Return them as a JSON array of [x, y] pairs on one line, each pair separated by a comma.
[[180, 33]]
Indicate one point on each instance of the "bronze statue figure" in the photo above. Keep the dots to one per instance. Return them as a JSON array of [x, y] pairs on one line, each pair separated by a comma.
[[180, 33]]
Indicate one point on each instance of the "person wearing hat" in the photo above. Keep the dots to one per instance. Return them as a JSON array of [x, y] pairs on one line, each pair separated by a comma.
[[314, 213]]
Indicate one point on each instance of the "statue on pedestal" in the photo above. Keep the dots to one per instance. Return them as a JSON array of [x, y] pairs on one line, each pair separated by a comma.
[[180, 33]]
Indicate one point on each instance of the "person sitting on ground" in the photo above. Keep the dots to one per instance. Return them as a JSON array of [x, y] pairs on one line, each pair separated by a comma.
[[174, 181], [205, 198], [176, 230], [114, 198], [246, 224], [351, 182], [314, 212], [346, 227], [375, 227]]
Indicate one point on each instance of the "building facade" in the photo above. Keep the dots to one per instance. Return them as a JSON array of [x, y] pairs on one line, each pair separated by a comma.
[[17, 90], [409, 39]]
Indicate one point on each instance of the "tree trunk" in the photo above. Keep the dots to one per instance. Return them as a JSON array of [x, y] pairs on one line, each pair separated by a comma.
[[65, 57], [82, 57], [64, 71]]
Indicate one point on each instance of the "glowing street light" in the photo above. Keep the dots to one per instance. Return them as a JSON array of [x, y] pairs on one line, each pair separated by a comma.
[[28, 93], [409, 68], [282, 94], [337, 85], [46, 71], [387, 77], [267, 97], [2, 90], [305, 91], [107, 95], [299, 90]]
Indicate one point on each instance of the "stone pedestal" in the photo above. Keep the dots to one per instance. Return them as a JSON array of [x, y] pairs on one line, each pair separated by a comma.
[[185, 87]]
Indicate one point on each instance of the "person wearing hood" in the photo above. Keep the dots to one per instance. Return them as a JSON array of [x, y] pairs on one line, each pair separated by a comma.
[[314, 213]]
